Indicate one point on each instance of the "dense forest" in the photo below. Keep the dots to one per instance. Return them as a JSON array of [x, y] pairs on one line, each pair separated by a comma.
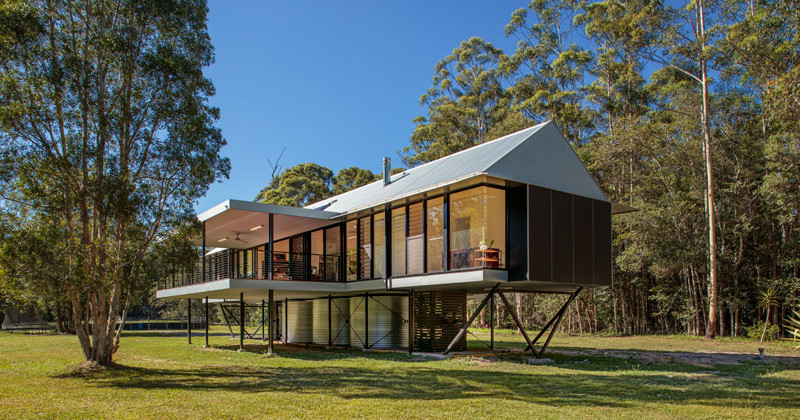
[[687, 111]]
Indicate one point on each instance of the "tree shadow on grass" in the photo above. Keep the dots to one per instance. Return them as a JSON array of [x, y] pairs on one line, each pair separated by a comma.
[[570, 382], [696, 358]]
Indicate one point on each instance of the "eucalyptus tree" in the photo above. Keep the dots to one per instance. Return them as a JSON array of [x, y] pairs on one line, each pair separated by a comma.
[[106, 132], [466, 105], [351, 178], [763, 42], [549, 67], [686, 43], [298, 186]]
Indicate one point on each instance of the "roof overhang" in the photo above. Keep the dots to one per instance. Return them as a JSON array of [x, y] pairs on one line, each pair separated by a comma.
[[249, 222], [617, 208]]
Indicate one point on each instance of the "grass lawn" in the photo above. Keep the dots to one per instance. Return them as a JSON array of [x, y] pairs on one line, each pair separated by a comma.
[[162, 376]]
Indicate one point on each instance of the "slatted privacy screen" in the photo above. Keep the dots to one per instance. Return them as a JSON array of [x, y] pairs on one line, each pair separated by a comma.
[[438, 316]]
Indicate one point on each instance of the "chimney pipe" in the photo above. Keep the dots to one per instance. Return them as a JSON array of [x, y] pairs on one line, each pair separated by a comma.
[[387, 171]]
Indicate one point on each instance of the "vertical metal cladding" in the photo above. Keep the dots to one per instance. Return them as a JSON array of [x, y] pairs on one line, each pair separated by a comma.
[[387, 319], [300, 321], [339, 325]]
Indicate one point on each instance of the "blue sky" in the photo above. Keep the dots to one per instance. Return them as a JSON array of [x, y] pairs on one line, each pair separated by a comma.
[[336, 83]]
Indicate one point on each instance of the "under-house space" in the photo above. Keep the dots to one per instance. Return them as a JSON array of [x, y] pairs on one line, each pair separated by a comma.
[[391, 265]]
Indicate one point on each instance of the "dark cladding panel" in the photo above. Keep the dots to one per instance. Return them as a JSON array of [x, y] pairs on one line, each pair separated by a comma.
[[539, 234], [602, 243], [562, 238], [584, 246], [516, 200]]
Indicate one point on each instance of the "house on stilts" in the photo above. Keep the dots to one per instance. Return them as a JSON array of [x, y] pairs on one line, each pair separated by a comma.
[[393, 263]]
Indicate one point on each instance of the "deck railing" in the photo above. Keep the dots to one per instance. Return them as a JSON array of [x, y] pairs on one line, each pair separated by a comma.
[[237, 265]]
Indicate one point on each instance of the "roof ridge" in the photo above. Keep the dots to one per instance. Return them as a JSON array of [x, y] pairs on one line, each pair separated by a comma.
[[439, 160]]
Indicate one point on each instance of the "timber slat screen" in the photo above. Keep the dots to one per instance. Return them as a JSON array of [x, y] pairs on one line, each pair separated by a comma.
[[438, 316]]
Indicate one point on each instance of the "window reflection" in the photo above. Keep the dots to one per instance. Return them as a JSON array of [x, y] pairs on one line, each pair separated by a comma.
[[477, 228], [435, 229], [399, 241], [379, 244]]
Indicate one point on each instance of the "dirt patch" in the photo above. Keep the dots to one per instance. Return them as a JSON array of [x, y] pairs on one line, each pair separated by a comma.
[[701, 359]]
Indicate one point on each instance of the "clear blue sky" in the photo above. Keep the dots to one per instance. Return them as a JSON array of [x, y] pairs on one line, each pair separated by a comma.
[[336, 83]]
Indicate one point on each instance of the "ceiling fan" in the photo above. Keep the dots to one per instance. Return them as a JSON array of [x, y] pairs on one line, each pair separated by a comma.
[[237, 238]]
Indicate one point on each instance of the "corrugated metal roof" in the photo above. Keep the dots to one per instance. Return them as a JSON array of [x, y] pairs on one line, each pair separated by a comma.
[[539, 155]]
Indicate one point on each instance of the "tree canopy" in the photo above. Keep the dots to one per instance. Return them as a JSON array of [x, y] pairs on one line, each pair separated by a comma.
[[308, 183], [107, 140], [687, 111]]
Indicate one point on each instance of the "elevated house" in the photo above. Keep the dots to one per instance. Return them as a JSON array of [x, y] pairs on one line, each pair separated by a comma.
[[392, 264]]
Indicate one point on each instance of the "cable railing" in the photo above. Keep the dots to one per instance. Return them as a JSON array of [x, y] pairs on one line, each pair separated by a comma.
[[228, 264]]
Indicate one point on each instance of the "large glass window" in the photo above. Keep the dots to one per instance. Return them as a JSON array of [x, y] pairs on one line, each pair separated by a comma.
[[280, 260], [435, 230], [365, 247], [415, 240], [260, 263], [333, 252], [477, 228], [399, 241], [352, 250], [379, 244], [297, 258], [317, 263]]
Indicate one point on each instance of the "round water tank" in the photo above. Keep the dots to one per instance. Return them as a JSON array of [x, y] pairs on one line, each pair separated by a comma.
[[387, 318], [339, 327], [299, 320]]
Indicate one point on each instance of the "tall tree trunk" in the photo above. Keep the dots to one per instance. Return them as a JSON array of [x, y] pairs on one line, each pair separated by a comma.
[[713, 288]]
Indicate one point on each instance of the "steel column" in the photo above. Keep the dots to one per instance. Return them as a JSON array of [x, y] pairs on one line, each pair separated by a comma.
[[207, 321], [286, 320], [411, 321], [555, 320], [491, 323], [474, 315], [241, 321], [262, 320], [271, 315], [189, 319], [366, 320], [518, 322], [204, 253], [330, 337], [227, 321], [270, 238], [561, 316]]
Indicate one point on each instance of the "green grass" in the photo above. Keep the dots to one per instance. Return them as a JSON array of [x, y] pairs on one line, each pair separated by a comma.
[[161, 376]]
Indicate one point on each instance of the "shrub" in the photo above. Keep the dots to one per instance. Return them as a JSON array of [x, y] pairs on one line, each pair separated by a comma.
[[755, 331]]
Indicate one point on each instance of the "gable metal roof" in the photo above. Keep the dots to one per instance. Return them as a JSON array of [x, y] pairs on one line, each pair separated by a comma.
[[539, 155]]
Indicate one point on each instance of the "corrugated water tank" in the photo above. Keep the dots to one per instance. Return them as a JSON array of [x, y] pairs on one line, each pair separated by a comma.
[[387, 320], [300, 321], [339, 327]]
